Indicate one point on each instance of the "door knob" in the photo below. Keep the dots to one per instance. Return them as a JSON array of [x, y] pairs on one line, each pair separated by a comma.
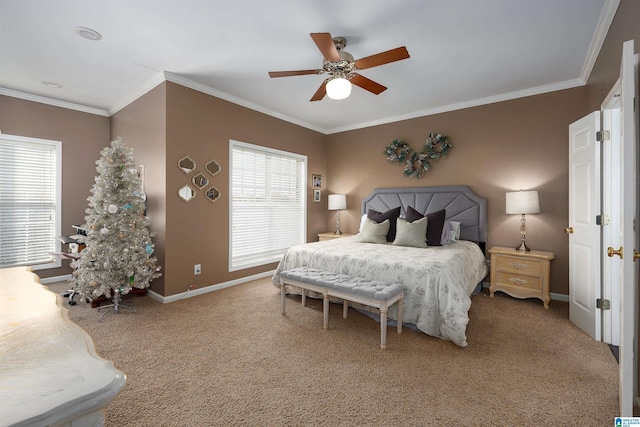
[[568, 230], [636, 255], [611, 252]]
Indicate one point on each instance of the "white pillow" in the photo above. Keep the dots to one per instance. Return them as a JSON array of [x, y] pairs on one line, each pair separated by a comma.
[[362, 220], [374, 232], [411, 233], [446, 233], [455, 230]]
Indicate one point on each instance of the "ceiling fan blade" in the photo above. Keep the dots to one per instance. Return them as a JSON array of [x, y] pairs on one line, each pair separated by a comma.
[[324, 41], [382, 58], [273, 74], [367, 84], [321, 92]]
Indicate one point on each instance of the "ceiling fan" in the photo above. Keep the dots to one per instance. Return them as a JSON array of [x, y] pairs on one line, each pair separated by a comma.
[[342, 68]]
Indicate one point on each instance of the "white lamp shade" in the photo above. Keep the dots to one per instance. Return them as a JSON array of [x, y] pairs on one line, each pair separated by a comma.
[[337, 202], [523, 202], [338, 88]]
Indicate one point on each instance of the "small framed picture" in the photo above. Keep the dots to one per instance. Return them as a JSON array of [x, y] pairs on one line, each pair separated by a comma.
[[317, 181], [316, 195]]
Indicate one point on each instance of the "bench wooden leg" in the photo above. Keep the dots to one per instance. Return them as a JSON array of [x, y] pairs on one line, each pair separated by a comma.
[[345, 308], [383, 327], [304, 296], [325, 310], [282, 296], [400, 314]]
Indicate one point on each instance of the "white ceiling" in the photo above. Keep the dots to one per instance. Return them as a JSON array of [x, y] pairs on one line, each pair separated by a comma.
[[463, 52]]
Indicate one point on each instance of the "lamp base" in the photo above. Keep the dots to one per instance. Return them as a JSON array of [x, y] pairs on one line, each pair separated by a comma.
[[337, 232], [523, 248]]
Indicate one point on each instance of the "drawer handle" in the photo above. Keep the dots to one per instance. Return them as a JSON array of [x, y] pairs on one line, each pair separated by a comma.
[[517, 281], [518, 265]]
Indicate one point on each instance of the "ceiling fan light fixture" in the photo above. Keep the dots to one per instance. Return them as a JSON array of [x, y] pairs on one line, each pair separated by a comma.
[[338, 88]]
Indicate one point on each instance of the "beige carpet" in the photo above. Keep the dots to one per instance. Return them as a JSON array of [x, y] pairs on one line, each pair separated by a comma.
[[230, 358]]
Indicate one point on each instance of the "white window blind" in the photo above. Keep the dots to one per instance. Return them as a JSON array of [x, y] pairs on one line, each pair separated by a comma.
[[268, 204], [30, 173]]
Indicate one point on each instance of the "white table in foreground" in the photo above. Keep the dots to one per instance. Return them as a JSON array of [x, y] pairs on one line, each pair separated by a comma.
[[50, 373]]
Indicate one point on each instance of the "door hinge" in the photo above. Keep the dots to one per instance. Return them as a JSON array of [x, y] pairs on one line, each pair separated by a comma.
[[603, 220], [603, 135], [603, 304]]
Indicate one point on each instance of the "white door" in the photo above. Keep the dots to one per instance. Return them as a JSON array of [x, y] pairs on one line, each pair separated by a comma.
[[611, 195], [628, 272], [584, 234]]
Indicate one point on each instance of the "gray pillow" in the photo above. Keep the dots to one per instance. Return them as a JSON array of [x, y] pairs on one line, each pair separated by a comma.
[[411, 233], [373, 232]]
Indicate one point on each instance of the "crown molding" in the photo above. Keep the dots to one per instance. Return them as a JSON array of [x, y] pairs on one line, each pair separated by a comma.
[[606, 18], [183, 81], [137, 93], [467, 104], [54, 102]]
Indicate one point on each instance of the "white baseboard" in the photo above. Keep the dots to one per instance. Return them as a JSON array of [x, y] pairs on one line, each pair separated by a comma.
[[559, 297], [200, 291], [55, 279], [554, 296]]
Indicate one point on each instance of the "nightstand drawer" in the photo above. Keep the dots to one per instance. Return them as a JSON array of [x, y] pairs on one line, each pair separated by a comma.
[[520, 281], [518, 265]]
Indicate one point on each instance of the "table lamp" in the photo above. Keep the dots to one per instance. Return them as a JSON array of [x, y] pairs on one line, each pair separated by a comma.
[[523, 202], [337, 202]]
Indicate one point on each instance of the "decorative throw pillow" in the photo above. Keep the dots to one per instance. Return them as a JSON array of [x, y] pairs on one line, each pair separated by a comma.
[[392, 215], [362, 220], [454, 227], [446, 233], [436, 223], [374, 232], [411, 233]]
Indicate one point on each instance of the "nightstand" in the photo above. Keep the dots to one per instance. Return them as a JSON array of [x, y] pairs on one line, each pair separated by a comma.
[[521, 274], [329, 236]]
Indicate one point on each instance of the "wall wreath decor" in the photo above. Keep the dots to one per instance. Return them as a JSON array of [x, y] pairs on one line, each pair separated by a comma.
[[416, 164]]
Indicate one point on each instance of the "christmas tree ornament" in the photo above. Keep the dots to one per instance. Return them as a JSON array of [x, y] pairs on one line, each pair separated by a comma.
[[104, 230], [112, 208]]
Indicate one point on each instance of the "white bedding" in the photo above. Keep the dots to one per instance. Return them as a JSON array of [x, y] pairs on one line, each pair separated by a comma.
[[438, 280]]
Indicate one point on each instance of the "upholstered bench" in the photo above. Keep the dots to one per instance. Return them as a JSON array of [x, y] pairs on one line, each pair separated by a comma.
[[373, 293]]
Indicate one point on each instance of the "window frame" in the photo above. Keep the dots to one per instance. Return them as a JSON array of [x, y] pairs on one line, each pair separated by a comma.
[[303, 195], [55, 262]]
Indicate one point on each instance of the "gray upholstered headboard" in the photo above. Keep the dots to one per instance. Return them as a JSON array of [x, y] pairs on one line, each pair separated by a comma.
[[461, 204]]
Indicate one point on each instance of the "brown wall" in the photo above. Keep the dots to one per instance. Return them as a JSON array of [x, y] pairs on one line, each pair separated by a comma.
[[200, 126], [142, 126], [506, 146], [83, 135]]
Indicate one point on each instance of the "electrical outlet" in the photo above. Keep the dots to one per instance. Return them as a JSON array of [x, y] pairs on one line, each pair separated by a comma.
[[197, 269]]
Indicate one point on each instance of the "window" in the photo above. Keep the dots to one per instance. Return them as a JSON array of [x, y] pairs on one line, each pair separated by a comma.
[[267, 212], [30, 174]]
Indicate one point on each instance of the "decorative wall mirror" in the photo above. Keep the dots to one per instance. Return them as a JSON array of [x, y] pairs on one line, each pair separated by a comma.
[[186, 193], [200, 180], [212, 194], [186, 165], [212, 167]]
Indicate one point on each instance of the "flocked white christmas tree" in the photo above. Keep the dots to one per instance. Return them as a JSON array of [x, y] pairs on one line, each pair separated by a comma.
[[119, 252]]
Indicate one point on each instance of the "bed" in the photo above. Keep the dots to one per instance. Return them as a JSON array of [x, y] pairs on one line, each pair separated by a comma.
[[438, 280]]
